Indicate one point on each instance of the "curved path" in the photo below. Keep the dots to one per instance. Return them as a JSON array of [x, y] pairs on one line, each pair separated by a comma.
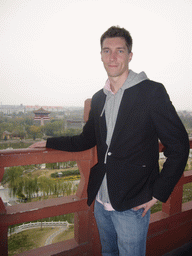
[[51, 237]]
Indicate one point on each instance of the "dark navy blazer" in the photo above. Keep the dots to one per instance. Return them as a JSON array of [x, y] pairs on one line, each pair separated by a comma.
[[146, 115]]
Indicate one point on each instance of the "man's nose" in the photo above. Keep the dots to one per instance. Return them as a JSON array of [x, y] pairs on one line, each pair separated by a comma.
[[113, 56]]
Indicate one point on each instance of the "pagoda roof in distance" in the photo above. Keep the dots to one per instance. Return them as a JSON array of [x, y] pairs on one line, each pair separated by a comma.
[[42, 111]]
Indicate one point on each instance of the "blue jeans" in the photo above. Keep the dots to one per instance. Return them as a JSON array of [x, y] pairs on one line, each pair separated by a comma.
[[122, 233]]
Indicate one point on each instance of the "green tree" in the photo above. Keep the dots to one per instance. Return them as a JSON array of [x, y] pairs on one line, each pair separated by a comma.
[[35, 131], [13, 176], [19, 131], [68, 188], [29, 187], [71, 132], [54, 128], [58, 187], [36, 185], [72, 163], [44, 185], [51, 166]]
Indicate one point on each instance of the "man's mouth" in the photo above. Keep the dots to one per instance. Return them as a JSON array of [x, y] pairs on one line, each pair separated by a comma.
[[113, 66]]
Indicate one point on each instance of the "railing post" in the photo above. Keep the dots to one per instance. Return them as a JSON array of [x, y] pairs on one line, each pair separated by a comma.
[[174, 203], [4, 240], [81, 228], [3, 229], [87, 107], [3, 232]]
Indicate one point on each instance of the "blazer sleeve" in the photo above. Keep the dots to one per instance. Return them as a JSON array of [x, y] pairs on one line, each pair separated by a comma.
[[84, 141], [174, 137]]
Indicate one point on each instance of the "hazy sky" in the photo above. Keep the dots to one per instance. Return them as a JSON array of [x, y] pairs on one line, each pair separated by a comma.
[[50, 49]]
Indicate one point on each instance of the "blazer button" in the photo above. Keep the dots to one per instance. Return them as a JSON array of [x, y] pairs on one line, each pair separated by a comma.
[[109, 154]]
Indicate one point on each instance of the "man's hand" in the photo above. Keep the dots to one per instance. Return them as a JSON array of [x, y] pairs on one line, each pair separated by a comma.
[[41, 144], [146, 206]]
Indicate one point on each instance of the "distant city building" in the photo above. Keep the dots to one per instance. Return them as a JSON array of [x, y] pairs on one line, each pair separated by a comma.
[[48, 108], [60, 110], [11, 109], [41, 116]]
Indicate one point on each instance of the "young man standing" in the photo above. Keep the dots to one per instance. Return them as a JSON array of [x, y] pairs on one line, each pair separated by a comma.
[[127, 118]]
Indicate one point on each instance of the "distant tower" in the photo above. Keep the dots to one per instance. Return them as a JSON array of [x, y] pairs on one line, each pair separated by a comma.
[[41, 116]]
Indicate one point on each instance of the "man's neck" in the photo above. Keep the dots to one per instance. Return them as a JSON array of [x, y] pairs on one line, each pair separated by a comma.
[[117, 82]]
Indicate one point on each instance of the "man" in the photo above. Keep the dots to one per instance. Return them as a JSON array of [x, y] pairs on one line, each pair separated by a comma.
[[127, 118]]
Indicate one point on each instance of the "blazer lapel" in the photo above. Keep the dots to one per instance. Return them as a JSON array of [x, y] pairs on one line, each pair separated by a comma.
[[101, 114], [127, 103]]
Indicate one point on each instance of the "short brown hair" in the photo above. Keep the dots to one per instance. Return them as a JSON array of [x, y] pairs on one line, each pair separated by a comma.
[[116, 31]]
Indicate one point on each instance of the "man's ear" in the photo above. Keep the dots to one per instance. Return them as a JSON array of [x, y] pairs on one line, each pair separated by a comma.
[[130, 56]]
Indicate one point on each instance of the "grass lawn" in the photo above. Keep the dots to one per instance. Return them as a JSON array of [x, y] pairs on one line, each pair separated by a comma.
[[65, 235], [157, 207], [29, 239], [187, 193]]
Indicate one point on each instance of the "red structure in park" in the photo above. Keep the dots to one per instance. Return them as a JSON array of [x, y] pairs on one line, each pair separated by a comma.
[[41, 116]]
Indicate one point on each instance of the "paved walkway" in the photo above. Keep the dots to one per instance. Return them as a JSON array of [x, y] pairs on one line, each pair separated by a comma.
[[51, 237], [6, 198]]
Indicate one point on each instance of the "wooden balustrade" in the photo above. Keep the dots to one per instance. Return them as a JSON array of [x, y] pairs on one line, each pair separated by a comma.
[[169, 228], [172, 227], [26, 212]]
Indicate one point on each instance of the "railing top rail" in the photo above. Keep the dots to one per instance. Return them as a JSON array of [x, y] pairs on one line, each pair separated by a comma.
[[39, 156]]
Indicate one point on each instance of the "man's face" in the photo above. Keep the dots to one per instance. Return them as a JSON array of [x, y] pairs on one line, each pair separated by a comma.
[[115, 56]]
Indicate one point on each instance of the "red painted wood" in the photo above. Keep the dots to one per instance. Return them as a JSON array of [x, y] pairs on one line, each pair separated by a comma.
[[87, 107], [1, 172], [65, 248], [174, 203], [53, 207], [169, 232], [39, 156], [38, 210], [187, 177], [3, 240]]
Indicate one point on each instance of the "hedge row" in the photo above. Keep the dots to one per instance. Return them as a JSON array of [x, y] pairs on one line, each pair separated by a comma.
[[65, 173]]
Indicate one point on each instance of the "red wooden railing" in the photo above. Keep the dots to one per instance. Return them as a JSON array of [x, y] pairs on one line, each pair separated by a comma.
[[169, 228]]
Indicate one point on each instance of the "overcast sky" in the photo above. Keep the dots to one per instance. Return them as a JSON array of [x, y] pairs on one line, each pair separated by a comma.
[[50, 49]]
